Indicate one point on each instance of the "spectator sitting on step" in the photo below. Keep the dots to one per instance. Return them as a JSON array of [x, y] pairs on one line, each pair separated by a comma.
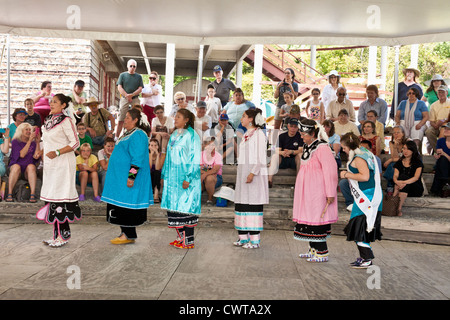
[[103, 160], [286, 108], [412, 115], [78, 97], [203, 122], [87, 167], [224, 138], [408, 174], [236, 108], [315, 108], [19, 115], [343, 125], [439, 112], [340, 102], [25, 153], [441, 176], [294, 113], [162, 127], [372, 115], [83, 137], [373, 103], [32, 117], [4, 149], [368, 132], [96, 122], [211, 168], [395, 147], [180, 103], [334, 140], [289, 151], [156, 161], [42, 100]]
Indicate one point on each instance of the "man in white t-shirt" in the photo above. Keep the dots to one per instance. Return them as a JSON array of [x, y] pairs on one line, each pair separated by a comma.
[[151, 94], [202, 120]]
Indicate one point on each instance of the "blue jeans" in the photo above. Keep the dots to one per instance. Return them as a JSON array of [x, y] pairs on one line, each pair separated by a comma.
[[344, 185]]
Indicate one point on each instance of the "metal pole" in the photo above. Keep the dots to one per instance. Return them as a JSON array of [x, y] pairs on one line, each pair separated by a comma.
[[8, 77]]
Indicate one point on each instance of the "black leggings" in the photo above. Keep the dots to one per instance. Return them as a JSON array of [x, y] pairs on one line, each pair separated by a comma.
[[130, 232], [320, 247]]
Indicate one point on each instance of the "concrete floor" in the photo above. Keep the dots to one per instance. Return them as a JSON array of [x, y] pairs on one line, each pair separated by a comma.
[[150, 269]]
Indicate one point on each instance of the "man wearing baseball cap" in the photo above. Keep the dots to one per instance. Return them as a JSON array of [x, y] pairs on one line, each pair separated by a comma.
[[222, 86], [439, 112]]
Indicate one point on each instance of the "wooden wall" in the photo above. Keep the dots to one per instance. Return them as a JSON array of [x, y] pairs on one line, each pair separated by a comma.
[[62, 61]]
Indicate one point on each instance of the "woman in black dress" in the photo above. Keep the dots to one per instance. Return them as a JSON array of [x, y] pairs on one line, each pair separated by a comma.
[[408, 174]]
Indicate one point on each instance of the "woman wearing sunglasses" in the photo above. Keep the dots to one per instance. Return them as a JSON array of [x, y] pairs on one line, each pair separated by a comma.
[[152, 95]]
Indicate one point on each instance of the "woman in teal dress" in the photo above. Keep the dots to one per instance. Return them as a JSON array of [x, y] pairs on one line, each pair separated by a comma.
[[128, 188], [181, 177], [364, 226]]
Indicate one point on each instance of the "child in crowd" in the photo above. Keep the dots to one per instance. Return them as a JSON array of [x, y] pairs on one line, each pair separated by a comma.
[[87, 166], [84, 138], [286, 108], [156, 159], [315, 109], [211, 168], [213, 106], [103, 159]]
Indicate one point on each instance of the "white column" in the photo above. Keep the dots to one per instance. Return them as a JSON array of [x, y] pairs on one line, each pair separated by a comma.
[[372, 73], [239, 73], [383, 69], [414, 55], [169, 77], [313, 57], [257, 73], [397, 58], [199, 74]]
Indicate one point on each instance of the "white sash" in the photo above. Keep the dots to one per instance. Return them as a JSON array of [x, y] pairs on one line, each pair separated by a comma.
[[369, 208], [409, 117]]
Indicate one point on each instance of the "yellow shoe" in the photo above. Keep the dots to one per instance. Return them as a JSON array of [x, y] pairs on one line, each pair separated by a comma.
[[121, 241]]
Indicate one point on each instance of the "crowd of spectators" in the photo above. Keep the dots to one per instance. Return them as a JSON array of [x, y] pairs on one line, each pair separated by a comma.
[[218, 123]]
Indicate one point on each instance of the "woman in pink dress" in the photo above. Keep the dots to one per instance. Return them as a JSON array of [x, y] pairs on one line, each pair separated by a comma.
[[42, 100], [315, 197]]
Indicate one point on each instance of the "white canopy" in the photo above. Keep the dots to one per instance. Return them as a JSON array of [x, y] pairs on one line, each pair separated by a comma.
[[319, 22]]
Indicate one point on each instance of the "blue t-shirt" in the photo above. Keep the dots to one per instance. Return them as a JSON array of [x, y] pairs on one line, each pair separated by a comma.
[[442, 145], [421, 107]]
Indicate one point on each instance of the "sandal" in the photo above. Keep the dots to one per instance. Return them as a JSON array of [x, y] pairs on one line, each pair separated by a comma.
[[33, 198], [9, 198]]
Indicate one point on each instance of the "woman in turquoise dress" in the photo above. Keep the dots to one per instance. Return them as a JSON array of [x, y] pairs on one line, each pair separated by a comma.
[[128, 188], [182, 188], [364, 226]]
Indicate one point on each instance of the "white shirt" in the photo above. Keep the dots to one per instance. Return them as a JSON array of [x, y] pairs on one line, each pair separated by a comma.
[[213, 108], [153, 101]]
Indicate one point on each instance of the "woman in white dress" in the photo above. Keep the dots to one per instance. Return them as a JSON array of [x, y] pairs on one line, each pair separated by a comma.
[[252, 187], [59, 192]]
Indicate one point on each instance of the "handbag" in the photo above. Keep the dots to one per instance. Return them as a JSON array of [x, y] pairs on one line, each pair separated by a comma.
[[390, 205]]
